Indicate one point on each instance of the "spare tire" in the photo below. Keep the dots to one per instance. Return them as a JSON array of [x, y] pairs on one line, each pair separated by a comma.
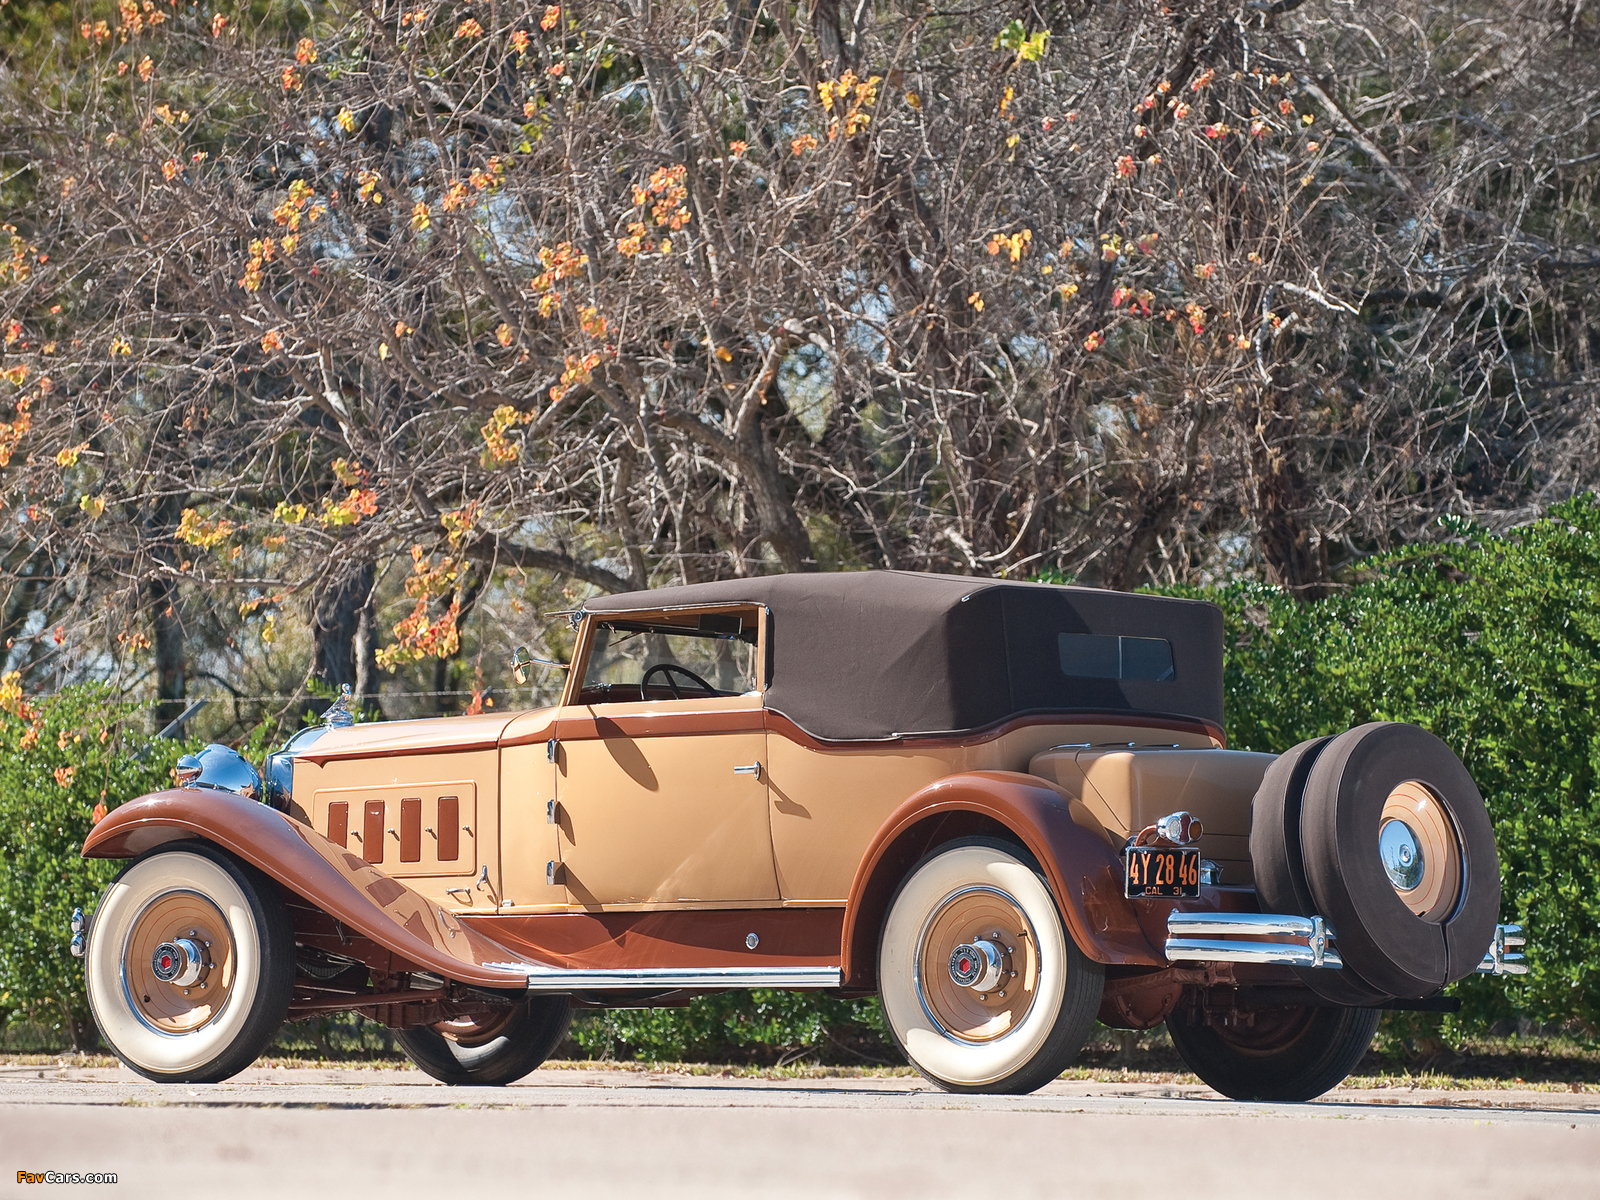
[[1275, 856], [1400, 858]]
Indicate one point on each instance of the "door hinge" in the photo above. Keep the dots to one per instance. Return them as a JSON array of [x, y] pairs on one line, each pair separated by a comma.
[[555, 874], [552, 812], [552, 751]]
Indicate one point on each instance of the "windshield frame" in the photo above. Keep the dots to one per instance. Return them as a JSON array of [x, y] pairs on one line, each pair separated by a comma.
[[685, 618]]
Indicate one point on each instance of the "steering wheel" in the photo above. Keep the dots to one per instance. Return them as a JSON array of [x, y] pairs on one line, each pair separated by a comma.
[[667, 670]]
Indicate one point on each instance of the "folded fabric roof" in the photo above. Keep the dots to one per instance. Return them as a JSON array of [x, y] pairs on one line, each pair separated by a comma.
[[869, 655]]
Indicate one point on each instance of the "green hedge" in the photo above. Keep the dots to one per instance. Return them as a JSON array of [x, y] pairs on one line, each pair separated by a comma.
[[766, 1026], [1493, 643], [59, 759]]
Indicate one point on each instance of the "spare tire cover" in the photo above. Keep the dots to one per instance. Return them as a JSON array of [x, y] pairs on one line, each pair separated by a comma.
[[1276, 858], [1378, 936]]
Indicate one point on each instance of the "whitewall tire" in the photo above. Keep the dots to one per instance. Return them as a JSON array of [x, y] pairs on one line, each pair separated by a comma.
[[982, 986], [190, 964]]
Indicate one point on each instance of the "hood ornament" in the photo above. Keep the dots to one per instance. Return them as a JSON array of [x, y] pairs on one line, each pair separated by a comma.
[[338, 714]]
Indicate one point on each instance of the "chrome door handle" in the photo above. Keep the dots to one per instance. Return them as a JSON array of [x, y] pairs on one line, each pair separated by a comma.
[[753, 769]]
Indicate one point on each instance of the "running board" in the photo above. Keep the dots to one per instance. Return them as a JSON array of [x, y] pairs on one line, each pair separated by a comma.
[[658, 979]]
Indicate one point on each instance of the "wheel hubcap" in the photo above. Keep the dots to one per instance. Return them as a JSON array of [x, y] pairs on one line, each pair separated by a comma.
[[181, 961], [1402, 859], [178, 965], [977, 965], [1420, 851]]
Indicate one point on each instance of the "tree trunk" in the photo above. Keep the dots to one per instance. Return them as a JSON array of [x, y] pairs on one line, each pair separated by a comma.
[[166, 625], [340, 654], [1295, 558], [85, 1034]]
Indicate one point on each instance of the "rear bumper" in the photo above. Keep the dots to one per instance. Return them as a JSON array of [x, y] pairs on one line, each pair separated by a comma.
[[1283, 940]]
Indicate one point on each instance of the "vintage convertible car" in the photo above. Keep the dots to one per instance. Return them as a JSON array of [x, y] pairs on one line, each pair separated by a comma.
[[1005, 808]]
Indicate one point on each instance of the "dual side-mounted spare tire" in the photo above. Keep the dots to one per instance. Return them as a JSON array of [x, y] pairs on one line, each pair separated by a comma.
[[1382, 832]]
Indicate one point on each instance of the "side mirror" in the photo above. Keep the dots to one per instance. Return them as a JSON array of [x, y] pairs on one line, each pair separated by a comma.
[[521, 660]]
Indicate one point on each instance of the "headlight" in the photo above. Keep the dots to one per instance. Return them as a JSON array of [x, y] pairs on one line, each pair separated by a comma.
[[220, 768]]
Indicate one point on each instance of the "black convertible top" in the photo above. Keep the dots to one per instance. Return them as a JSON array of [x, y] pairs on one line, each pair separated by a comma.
[[881, 654]]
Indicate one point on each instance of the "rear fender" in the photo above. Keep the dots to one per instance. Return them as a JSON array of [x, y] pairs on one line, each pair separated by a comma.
[[1082, 863], [327, 876]]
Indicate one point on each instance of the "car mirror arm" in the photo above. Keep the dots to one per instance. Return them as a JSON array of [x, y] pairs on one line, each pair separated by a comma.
[[522, 660]]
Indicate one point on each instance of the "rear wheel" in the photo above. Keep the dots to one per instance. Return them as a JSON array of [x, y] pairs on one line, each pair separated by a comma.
[[190, 964], [492, 1050], [983, 988], [1287, 1054]]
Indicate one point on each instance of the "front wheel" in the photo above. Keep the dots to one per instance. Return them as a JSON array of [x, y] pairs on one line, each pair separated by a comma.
[[190, 964], [983, 988], [493, 1050], [1285, 1054]]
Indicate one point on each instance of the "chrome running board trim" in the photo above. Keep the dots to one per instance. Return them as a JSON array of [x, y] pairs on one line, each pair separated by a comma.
[[1210, 937], [655, 979], [1497, 961]]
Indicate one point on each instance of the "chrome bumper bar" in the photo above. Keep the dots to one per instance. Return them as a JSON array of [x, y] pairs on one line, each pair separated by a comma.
[[1213, 937], [1497, 961], [1229, 937]]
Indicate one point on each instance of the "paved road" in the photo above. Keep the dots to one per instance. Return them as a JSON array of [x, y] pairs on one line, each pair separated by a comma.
[[612, 1133]]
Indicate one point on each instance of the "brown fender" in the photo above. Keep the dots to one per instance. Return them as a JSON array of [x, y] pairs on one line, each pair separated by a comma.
[[1082, 863], [308, 864]]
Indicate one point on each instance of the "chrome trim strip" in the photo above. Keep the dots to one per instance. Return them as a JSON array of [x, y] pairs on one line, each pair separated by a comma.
[[557, 979]]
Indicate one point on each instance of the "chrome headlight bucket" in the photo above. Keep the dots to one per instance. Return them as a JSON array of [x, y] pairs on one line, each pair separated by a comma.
[[280, 766], [221, 769]]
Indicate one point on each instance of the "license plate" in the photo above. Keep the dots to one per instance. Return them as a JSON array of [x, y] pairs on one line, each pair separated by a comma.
[[1167, 871]]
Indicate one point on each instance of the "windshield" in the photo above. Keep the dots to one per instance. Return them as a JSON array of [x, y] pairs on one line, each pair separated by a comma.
[[633, 660]]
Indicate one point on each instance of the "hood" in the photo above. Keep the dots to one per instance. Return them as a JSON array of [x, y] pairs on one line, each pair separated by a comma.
[[378, 739]]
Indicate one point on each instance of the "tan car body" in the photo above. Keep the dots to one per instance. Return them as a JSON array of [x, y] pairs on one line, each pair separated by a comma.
[[595, 836]]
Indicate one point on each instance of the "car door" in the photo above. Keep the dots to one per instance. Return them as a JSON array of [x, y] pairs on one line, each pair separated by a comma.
[[662, 798]]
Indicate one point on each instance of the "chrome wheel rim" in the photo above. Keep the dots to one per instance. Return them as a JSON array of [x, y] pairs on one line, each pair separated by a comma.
[[1420, 851], [178, 963], [977, 938]]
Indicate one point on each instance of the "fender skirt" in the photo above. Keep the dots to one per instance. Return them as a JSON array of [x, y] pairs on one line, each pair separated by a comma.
[[1082, 863], [309, 865]]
